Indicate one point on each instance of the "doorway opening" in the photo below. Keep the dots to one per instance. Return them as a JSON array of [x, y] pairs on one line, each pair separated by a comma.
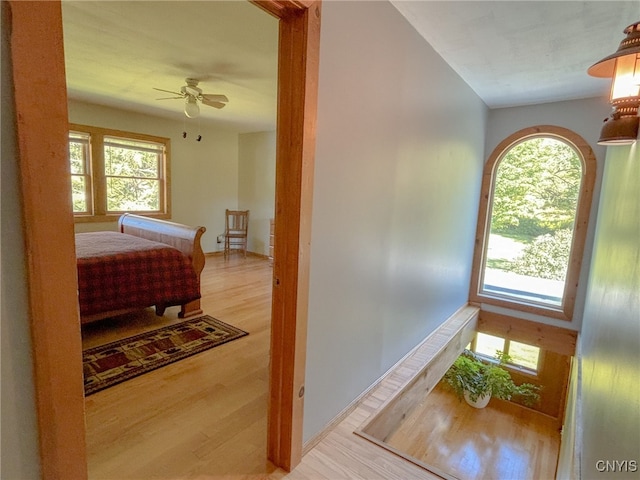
[[39, 85]]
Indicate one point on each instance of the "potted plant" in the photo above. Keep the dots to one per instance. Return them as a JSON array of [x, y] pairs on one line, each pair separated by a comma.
[[477, 381]]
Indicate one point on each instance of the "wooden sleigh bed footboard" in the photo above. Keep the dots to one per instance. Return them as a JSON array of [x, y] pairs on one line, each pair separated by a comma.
[[183, 237], [138, 232]]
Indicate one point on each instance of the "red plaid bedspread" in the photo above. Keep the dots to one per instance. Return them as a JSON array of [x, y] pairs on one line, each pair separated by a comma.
[[118, 271]]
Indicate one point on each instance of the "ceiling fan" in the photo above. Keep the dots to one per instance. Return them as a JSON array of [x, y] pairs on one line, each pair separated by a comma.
[[192, 95]]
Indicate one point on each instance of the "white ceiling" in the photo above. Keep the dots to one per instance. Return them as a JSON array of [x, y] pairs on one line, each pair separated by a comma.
[[117, 51], [517, 52], [510, 52]]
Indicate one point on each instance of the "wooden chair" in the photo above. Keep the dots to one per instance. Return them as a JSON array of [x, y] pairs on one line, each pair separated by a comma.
[[235, 232]]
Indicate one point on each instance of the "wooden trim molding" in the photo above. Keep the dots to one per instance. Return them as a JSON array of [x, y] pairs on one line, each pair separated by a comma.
[[41, 109], [557, 346], [297, 106], [548, 337], [41, 106], [98, 189], [588, 159], [437, 352], [467, 313]]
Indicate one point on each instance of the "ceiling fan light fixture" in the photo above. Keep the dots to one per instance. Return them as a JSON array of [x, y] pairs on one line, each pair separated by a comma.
[[623, 67], [191, 108], [192, 95]]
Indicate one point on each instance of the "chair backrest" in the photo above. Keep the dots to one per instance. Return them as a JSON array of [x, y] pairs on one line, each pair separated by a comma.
[[237, 221]]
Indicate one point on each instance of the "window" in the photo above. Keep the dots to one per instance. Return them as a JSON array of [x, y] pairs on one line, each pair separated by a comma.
[[535, 202], [133, 175], [80, 174], [521, 355], [113, 172]]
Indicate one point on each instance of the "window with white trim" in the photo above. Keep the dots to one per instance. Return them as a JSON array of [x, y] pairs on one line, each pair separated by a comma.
[[113, 172]]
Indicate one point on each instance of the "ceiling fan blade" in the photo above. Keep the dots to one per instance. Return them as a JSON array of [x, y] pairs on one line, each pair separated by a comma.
[[168, 98], [214, 98], [211, 103], [169, 91]]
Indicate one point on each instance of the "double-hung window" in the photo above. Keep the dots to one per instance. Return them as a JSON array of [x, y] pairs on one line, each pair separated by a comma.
[[113, 172]]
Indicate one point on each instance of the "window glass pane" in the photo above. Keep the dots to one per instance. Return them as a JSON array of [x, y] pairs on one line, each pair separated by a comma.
[[77, 157], [79, 166], [132, 170], [79, 193], [132, 194], [524, 355], [132, 159], [535, 197], [488, 344]]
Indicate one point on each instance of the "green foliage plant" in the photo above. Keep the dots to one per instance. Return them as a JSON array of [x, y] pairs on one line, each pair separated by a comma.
[[477, 377], [546, 257], [536, 188]]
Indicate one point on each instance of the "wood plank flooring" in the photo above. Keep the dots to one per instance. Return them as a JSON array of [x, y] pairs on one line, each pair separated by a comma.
[[205, 417], [501, 441], [202, 416]]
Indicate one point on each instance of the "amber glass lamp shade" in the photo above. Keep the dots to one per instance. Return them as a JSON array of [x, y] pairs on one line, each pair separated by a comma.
[[623, 67]]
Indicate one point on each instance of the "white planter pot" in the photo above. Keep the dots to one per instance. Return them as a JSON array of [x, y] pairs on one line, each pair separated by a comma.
[[481, 402]]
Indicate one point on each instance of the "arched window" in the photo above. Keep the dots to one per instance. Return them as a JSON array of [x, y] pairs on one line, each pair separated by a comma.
[[534, 208]]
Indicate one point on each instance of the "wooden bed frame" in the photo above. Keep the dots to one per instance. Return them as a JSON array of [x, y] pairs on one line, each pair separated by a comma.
[[182, 237]]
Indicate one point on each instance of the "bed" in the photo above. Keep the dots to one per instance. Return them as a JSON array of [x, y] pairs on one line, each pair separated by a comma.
[[148, 262]]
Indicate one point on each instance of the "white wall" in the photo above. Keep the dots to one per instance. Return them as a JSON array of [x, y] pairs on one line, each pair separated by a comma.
[[19, 431], [257, 185], [583, 117], [400, 147], [204, 175], [610, 338]]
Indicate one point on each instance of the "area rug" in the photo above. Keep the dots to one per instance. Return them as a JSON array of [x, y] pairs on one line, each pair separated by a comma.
[[115, 362]]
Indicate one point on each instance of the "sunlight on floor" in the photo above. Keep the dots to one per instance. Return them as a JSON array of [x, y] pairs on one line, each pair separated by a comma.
[[501, 441]]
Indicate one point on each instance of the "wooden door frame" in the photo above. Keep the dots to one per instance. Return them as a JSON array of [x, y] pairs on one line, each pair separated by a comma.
[[42, 124], [298, 59]]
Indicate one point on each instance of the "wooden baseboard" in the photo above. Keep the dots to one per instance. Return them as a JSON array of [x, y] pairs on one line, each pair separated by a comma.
[[432, 359], [466, 311], [221, 252], [317, 438], [569, 467]]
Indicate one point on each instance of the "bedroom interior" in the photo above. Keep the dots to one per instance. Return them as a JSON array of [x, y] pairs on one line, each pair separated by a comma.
[[232, 165], [489, 321]]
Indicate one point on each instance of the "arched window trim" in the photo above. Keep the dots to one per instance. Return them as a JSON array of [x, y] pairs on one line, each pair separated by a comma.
[[588, 159]]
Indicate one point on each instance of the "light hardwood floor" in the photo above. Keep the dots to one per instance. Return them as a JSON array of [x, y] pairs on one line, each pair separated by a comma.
[[501, 441], [205, 417], [202, 416]]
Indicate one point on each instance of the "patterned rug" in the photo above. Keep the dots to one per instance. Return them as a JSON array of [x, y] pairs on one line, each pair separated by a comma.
[[115, 362]]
